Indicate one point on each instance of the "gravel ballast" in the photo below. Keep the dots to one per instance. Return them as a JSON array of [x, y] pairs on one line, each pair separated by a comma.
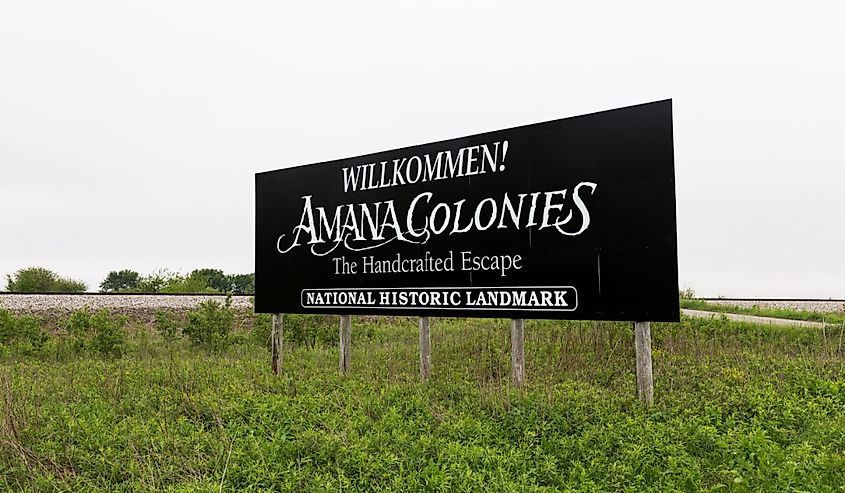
[[135, 303], [124, 303]]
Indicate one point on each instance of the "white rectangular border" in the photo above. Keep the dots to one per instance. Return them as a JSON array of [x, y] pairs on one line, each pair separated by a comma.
[[353, 307]]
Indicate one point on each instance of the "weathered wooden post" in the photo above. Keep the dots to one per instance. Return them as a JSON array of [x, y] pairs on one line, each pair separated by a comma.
[[345, 343], [425, 349], [518, 352], [276, 335], [645, 380]]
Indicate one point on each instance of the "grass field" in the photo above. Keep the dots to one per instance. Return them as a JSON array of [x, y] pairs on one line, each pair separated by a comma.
[[738, 408]]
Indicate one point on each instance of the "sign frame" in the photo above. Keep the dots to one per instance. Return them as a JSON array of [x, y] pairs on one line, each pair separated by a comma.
[[622, 258]]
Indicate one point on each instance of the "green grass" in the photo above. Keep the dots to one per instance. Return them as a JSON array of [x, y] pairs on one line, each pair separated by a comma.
[[738, 407], [837, 317]]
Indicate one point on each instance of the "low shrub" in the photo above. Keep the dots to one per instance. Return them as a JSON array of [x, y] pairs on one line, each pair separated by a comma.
[[21, 335], [311, 330], [7, 326], [262, 325], [31, 338], [210, 325], [100, 332], [109, 334], [168, 325], [299, 330], [78, 328]]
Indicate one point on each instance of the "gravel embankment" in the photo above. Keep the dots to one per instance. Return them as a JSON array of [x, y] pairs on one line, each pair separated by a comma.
[[805, 305], [123, 303], [143, 305]]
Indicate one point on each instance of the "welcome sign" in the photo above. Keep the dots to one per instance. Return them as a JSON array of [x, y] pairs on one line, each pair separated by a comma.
[[570, 219]]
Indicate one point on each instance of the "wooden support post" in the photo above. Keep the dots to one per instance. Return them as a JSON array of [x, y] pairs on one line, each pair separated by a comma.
[[276, 335], [645, 379], [518, 352], [425, 349], [345, 343]]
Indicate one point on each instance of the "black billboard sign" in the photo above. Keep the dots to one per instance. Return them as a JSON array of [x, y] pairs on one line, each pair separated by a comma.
[[570, 219]]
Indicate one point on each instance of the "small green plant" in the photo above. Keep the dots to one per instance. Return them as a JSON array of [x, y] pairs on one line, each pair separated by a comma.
[[100, 332], [78, 328], [211, 324], [21, 335], [311, 330], [109, 334], [262, 325], [167, 324], [7, 326], [31, 337]]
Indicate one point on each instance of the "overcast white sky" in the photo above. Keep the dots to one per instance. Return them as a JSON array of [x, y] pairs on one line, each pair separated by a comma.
[[130, 132]]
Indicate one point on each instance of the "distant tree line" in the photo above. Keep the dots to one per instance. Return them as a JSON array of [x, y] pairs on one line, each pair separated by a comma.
[[39, 279], [164, 281]]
